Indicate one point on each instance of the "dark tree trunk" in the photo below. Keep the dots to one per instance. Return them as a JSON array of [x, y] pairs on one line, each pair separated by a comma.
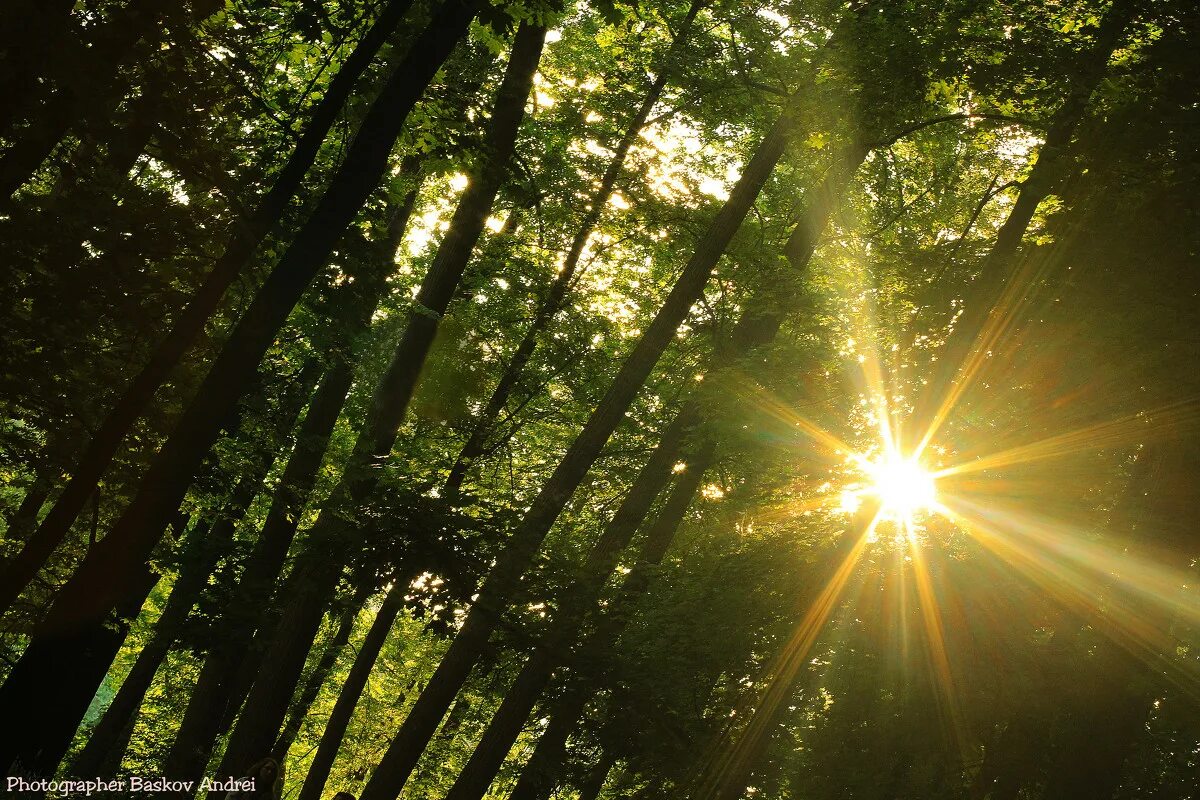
[[223, 680], [351, 691], [32, 31], [983, 320], [508, 721], [590, 788], [556, 297], [107, 740], [82, 94], [99, 656], [24, 517], [727, 772], [98, 586], [423, 719], [727, 776], [540, 774], [1091, 765], [287, 280], [263, 714], [199, 560], [757, 326], [302, 704]]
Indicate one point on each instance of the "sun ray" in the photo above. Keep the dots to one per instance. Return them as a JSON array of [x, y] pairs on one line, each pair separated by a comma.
[[1127, 431], [997, 324], [756, 396], [943, 676], [739, 749], [1130, 600]]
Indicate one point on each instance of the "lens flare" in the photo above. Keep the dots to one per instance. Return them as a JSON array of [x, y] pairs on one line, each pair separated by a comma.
[[904, 487]]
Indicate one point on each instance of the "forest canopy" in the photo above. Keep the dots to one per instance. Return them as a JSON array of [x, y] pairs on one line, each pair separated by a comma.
[[527, 399]]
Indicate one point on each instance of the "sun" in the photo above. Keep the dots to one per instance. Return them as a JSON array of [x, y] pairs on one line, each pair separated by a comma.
[[904, 487]]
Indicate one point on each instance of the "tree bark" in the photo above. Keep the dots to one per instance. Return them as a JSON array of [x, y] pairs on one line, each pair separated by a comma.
[[423, 719], [24, 517], [590, 788], [985, 317], [329, 542], [757, 326], [201, 555], [506, 724], [288, 278], [32, 30], [104, 644], [80, 95], [727, 777]]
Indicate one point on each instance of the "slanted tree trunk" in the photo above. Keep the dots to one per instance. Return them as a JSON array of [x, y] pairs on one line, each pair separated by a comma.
[[726, 773], [471, 639], [205, 548], [590, 788], [307, 695], [23, 519], [222, 685], [757, 326], [210, 548], [31, 30], [349, 694], [108, 739], [289, 277], [986, 316], [727, 776], [52, 659], [260, 720], [556, 297], [540, 774], [78, 94], [531, 681]]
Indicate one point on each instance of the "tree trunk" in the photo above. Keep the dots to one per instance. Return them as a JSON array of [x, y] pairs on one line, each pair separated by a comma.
[[986, 316], [203, 552], [24, 517], [539, 775], [596, 778], [81, 95], [401, 757], [556, 297], [351, 691], [757, 326], [506, 724], [98, 585], [260, 720], [320, 672], [222, 683], [32, 30], [201, 555], [103, 649], [289, 278]]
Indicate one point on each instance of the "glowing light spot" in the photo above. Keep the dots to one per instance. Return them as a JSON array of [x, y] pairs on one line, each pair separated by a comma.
[[714, 188], [903, 486]]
